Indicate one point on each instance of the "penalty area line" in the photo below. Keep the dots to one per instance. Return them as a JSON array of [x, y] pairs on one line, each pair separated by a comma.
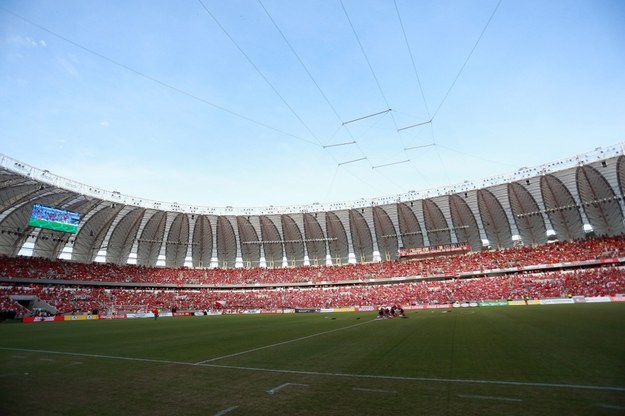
[[329, 374]]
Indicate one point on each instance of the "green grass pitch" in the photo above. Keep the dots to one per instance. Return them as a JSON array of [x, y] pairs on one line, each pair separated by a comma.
[[525, 360]]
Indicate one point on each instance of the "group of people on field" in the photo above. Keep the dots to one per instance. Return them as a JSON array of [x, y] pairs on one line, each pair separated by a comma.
[[391, 312]]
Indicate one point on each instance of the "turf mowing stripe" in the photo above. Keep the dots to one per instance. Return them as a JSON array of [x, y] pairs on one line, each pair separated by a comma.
[[319, 373], [472, 396], [279, 343]]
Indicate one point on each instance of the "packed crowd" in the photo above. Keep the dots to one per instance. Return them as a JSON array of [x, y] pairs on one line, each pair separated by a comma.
[[602, 281], [318, 287], [567, 251], [8, 304]]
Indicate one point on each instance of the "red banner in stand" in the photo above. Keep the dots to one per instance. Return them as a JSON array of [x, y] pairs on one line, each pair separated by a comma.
[[31, 319], [435, 250]]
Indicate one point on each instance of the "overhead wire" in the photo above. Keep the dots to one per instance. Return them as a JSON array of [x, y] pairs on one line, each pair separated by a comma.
[[316, 141], [378, 171], [412, 60], [275, 25], [367, 116], [332, 107], [430, 118], [257, 69], [425, 103], [476, 157], [448, 92], [314, 81], [154, 79], [373, 74], [326, 99], [364, 54], [479, 38], [477, 42]]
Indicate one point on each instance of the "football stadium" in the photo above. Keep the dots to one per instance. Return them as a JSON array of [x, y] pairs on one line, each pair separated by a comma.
[[471, 290]]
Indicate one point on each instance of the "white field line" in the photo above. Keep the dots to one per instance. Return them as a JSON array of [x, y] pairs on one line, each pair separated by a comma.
[[280, 343], [472, 396], [328, 374], [225, 411], [374, 390], [611, 406], [281, 386]]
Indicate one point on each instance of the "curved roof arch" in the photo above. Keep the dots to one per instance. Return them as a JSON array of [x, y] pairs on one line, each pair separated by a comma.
[[386, 235], [316, 242], [293, 241], [250, 243], [435, 223], [124, 235], [226, 241], [409, 227], [177, 241], [565, 197], [151, 239], [526, 214], [464, 222], [361, 236], [202, 243], [620, 174], [494, 219], [338, 245], [272, 242], [599, 202], [91, 235], [561, 208]]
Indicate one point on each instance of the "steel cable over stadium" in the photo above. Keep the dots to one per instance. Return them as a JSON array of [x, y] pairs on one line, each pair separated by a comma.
[[566, 199]]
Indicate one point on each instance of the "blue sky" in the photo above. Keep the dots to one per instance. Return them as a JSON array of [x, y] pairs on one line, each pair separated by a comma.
[[239, 103]]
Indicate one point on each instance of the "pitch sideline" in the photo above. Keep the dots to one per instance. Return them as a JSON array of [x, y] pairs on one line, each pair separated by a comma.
[[329, 374]]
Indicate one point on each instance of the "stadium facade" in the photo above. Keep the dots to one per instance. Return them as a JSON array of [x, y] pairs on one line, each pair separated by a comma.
[[564, 200]]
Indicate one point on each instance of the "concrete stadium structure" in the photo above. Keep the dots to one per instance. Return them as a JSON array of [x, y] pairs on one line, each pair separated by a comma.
[[567, 200]]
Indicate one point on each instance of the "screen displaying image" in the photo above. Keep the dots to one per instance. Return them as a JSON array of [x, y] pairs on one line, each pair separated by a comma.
[[54, 219]]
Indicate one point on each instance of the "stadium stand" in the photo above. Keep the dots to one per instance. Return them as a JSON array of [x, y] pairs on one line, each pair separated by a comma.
[[590, 267]]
